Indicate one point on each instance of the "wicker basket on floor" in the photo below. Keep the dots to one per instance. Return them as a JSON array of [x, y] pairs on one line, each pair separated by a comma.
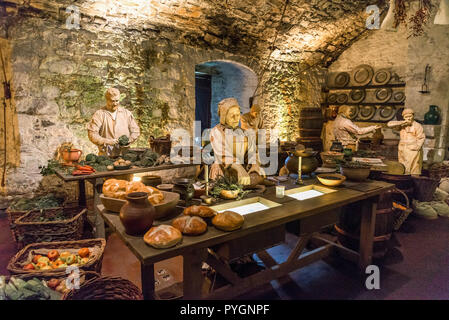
[[30, 230], [105, 288], [15, 265]]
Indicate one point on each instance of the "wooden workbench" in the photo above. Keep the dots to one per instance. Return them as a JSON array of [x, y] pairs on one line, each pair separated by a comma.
[[312, 213]]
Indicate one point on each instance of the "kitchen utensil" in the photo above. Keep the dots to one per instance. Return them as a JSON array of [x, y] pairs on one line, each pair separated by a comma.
[[425, 87], [398, 96], [383, 94], [342, 98], [362, 75], [332, 98], [387, 113], [161, 145], [342, 79], [381, 77], [366, 112], [357, 95]]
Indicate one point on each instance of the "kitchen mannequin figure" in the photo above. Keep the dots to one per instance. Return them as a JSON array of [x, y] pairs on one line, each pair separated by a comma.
[[410, 152], [346, 131], [110, 123], [233, 148]]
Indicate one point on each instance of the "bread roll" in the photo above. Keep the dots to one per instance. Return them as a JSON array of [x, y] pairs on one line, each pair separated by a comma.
[[154, 195], [163, 236], [199, 211], [135, 186], [190, 225], [228, 221]]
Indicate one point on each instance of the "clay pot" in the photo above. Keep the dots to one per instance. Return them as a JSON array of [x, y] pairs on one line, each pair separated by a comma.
[[184, 187], [137, 214], [356, 174], [71, 155], [151, 181]]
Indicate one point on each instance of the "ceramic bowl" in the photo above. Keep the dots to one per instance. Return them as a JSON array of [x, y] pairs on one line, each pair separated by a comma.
[[331, 179], [356, 174]]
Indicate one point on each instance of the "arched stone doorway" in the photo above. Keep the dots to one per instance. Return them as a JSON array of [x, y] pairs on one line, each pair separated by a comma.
[[217, 80]]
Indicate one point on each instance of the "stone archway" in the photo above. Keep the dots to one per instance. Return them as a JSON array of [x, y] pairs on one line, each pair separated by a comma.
[[227, 79]]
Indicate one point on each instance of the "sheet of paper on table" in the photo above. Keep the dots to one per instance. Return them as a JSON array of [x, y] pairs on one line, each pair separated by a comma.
[[248, 208], [304, 195]]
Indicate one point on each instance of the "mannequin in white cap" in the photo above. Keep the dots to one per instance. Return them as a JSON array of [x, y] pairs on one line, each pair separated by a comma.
[[110, 123], [412, 137], [232, 147]]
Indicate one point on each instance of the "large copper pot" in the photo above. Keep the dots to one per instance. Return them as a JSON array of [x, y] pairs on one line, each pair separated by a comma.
[[309, 162]]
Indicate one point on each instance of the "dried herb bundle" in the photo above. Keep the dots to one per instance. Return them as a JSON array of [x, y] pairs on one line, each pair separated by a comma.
[[421, 17], [400, 13]]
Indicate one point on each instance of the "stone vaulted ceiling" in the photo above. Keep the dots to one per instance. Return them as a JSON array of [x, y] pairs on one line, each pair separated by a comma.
[[311, 31]]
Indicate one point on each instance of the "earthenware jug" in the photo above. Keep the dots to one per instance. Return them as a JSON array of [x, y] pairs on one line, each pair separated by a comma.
[[137, 214], [432, 116]]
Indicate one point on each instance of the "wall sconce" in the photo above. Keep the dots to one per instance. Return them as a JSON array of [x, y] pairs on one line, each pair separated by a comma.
[[442, 16]]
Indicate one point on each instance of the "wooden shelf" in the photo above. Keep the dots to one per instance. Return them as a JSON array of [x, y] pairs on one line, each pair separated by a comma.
[[388, 85], [364, 104]]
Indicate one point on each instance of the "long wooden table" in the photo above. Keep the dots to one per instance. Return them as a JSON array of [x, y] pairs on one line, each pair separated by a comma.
[[312, 213]]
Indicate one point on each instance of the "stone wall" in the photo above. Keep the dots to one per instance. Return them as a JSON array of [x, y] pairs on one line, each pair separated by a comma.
[[408, 56]]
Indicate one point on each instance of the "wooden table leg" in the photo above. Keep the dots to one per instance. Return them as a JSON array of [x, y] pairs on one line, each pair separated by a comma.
[[82, 194], [147, 277], [367, 228], [99, 222], [192, 275]]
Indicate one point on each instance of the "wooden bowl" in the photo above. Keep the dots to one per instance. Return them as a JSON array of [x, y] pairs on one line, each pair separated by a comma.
[[356, 174], [163, 209], [331, 179]]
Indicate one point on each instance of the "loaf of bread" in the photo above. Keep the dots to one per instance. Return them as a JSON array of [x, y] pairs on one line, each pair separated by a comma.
[[114, 188], [162, 236], [118, 189], [199, 211], [190, 225], [228, 221]]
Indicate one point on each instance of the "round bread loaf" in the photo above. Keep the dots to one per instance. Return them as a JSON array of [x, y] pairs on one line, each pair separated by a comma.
[[200, 211], [190, 225], [114, 188], [228, 221], [162, 236]]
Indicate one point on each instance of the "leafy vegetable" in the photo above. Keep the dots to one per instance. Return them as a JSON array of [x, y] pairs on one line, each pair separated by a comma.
[[123, 140], [40, 202], [91, 157], [228, 183]]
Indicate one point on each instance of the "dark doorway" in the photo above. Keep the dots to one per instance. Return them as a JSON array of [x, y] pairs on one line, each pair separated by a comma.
[[203, 97]]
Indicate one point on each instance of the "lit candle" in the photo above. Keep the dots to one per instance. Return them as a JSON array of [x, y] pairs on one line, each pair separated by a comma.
[[299, 168], [206, 176]]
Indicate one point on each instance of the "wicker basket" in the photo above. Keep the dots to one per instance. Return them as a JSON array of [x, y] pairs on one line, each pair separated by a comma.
[[105, 288], [438, 171], [30, 230], [15, 265]]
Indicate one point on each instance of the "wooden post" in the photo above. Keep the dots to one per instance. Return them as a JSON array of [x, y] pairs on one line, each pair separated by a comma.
[[82, 194], [192, 275], [367, 227], [147, 278]]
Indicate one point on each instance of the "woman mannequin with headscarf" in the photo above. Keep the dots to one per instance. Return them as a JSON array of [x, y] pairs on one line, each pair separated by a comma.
[[234, 149]]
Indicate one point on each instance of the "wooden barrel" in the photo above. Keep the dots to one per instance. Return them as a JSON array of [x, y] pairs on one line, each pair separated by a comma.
[[311, 118], [402, 182], [348, 227], [424, 187]]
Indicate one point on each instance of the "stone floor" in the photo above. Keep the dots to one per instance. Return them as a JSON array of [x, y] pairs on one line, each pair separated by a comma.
[[416, 268]]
